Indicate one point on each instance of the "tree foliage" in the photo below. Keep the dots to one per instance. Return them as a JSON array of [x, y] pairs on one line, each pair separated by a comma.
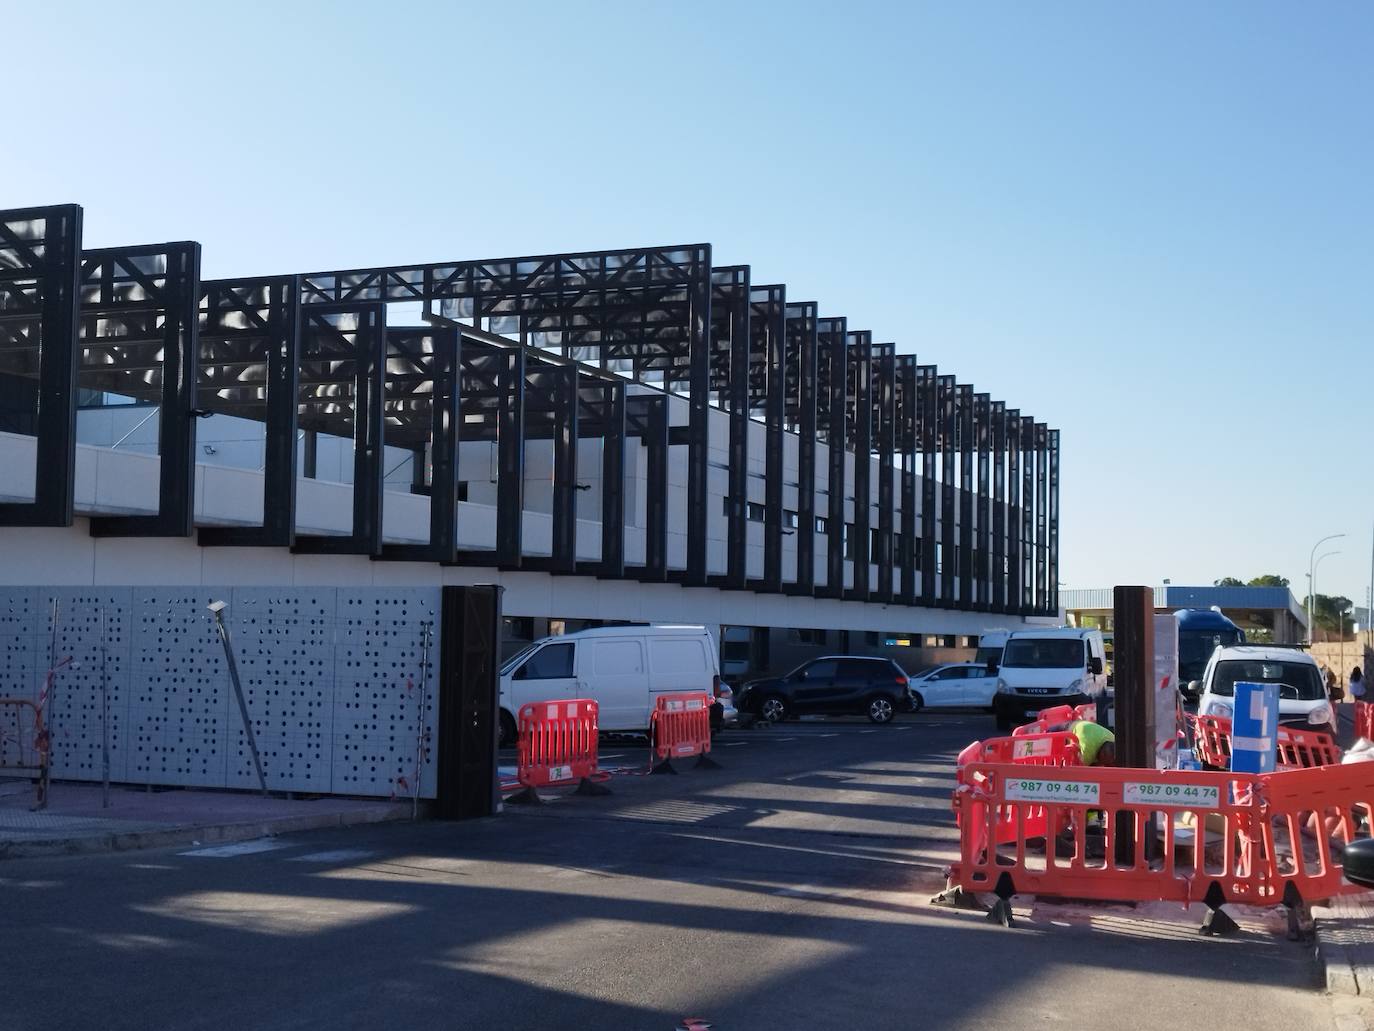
[[1267, 580]]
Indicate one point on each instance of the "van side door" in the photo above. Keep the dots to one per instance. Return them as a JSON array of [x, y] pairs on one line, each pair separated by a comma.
[[614, 674]]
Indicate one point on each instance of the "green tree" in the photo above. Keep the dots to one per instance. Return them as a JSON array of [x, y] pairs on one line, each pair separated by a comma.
[[1228, 581], [1269, 580], [1332, 613]]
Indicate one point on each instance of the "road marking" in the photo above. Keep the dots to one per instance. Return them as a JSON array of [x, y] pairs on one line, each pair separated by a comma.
[[338, 855], [868, 732], [733, 744], [241, 848], [781, 739], [827, 735]]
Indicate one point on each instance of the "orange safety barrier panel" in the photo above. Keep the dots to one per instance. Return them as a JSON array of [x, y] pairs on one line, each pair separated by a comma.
[[1297, 748], [1364, 720], [681, 728], [1161, 835], [1056, 716], [1057, 749], [557, 745], [24, 742]]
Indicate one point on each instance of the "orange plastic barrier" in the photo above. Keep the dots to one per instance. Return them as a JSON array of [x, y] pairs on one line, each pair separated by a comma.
[[1058, 749], [1056, 716], [1298, 749], [1364, 720], [558, 744], [1190, 835], [681, 728], [24, 741]]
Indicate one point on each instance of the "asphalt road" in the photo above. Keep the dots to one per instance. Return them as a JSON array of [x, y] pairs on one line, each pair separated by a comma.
[[787, 890]]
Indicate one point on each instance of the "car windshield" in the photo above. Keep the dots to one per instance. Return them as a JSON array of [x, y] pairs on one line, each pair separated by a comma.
[[518, 657], [988, 656], [1044, 653], [1297, 680]]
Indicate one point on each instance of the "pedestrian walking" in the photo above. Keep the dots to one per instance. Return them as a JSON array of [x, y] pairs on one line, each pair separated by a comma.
[[1356, 684]]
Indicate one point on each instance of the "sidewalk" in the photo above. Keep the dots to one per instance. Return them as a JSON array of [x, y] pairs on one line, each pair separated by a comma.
[[75, 822], [1345, 944]]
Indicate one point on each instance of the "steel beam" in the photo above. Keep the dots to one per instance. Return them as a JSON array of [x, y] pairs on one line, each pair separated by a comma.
[[949, 433], [801, 337], [613, 481], [1040, 601], [565, 411], [1027, 515], [833, 335], [908, 447], [861, 380], [885, 401], [999, 507], [929, 432], [767, 326], [1015, 522], [730, 315], [982, 553], [1052, 605]]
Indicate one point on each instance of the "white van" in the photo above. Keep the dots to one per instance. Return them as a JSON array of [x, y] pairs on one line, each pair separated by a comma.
[[1303, 700], [1044, 668], [622, 668]]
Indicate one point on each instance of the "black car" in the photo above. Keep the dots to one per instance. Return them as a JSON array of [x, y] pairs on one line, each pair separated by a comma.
[[836, 684]]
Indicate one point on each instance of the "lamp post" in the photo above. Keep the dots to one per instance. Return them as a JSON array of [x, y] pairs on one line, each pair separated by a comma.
[[1311, 575], [1312, 592]]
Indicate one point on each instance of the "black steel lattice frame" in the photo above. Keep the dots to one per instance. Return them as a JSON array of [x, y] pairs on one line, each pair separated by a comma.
[[662, 317], [40, 251]]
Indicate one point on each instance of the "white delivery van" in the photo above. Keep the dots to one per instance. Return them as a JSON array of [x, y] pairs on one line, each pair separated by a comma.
[[1044, 668], [622, 668]]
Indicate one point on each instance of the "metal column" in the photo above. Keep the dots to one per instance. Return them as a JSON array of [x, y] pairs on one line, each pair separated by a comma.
[[801, 324], [564, 382], [982, 554], [999, 506], [613, 481], [885, 372]]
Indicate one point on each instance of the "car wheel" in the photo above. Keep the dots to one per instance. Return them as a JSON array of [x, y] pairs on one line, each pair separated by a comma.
[[881, 709], [773, 709], [917, 702], [508, 732]]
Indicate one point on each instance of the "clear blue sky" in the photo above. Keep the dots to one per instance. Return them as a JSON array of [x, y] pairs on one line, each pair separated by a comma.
[[1149, 225]]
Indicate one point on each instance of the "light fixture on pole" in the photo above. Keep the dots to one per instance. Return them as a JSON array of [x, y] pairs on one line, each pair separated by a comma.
[[1311, 573], [1312, 592]]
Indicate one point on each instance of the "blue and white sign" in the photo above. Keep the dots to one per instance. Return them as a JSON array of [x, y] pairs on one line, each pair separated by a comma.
[[1255, 728]]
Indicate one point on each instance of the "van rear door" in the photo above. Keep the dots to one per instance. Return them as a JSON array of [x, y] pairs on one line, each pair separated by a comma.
[[678, 664]]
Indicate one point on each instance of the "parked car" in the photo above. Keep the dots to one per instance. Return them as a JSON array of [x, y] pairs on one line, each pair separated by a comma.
[[623, 668], [723, 712], [1303, 701], [952, 685], [834, 684], [1044, 668]]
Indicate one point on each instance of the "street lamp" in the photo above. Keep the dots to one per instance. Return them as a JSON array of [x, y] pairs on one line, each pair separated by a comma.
[[1311, 573], [1312, 592]]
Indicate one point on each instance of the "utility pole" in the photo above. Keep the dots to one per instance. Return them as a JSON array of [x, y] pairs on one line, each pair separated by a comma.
[[1311, 584]]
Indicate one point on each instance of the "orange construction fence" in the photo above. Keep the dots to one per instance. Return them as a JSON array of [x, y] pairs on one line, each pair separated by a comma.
[[1297, 748], [557, 745], [681, 728], [1364, 720], [24, 742], [1160, 835], [1056, 716]]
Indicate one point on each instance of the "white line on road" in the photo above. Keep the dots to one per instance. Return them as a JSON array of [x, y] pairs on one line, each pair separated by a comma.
[[868, 732], [242, 848], [733, 744], [827, 735]]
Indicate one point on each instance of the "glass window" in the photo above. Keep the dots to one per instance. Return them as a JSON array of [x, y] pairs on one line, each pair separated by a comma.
[[825, 669], [862, 670], [1045, 653], [551, 662]]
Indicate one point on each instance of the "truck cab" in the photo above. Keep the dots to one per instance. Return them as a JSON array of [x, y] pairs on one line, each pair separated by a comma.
[[1200, 633]]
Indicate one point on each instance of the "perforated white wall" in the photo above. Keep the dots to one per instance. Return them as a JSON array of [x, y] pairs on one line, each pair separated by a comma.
[[331, 676]]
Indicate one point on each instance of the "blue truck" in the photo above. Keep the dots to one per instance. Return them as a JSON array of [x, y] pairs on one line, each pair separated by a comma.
[[1201, 632]]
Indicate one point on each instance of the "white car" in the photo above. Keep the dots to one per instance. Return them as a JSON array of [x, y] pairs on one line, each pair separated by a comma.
[[952, 685], [1303, 702]]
